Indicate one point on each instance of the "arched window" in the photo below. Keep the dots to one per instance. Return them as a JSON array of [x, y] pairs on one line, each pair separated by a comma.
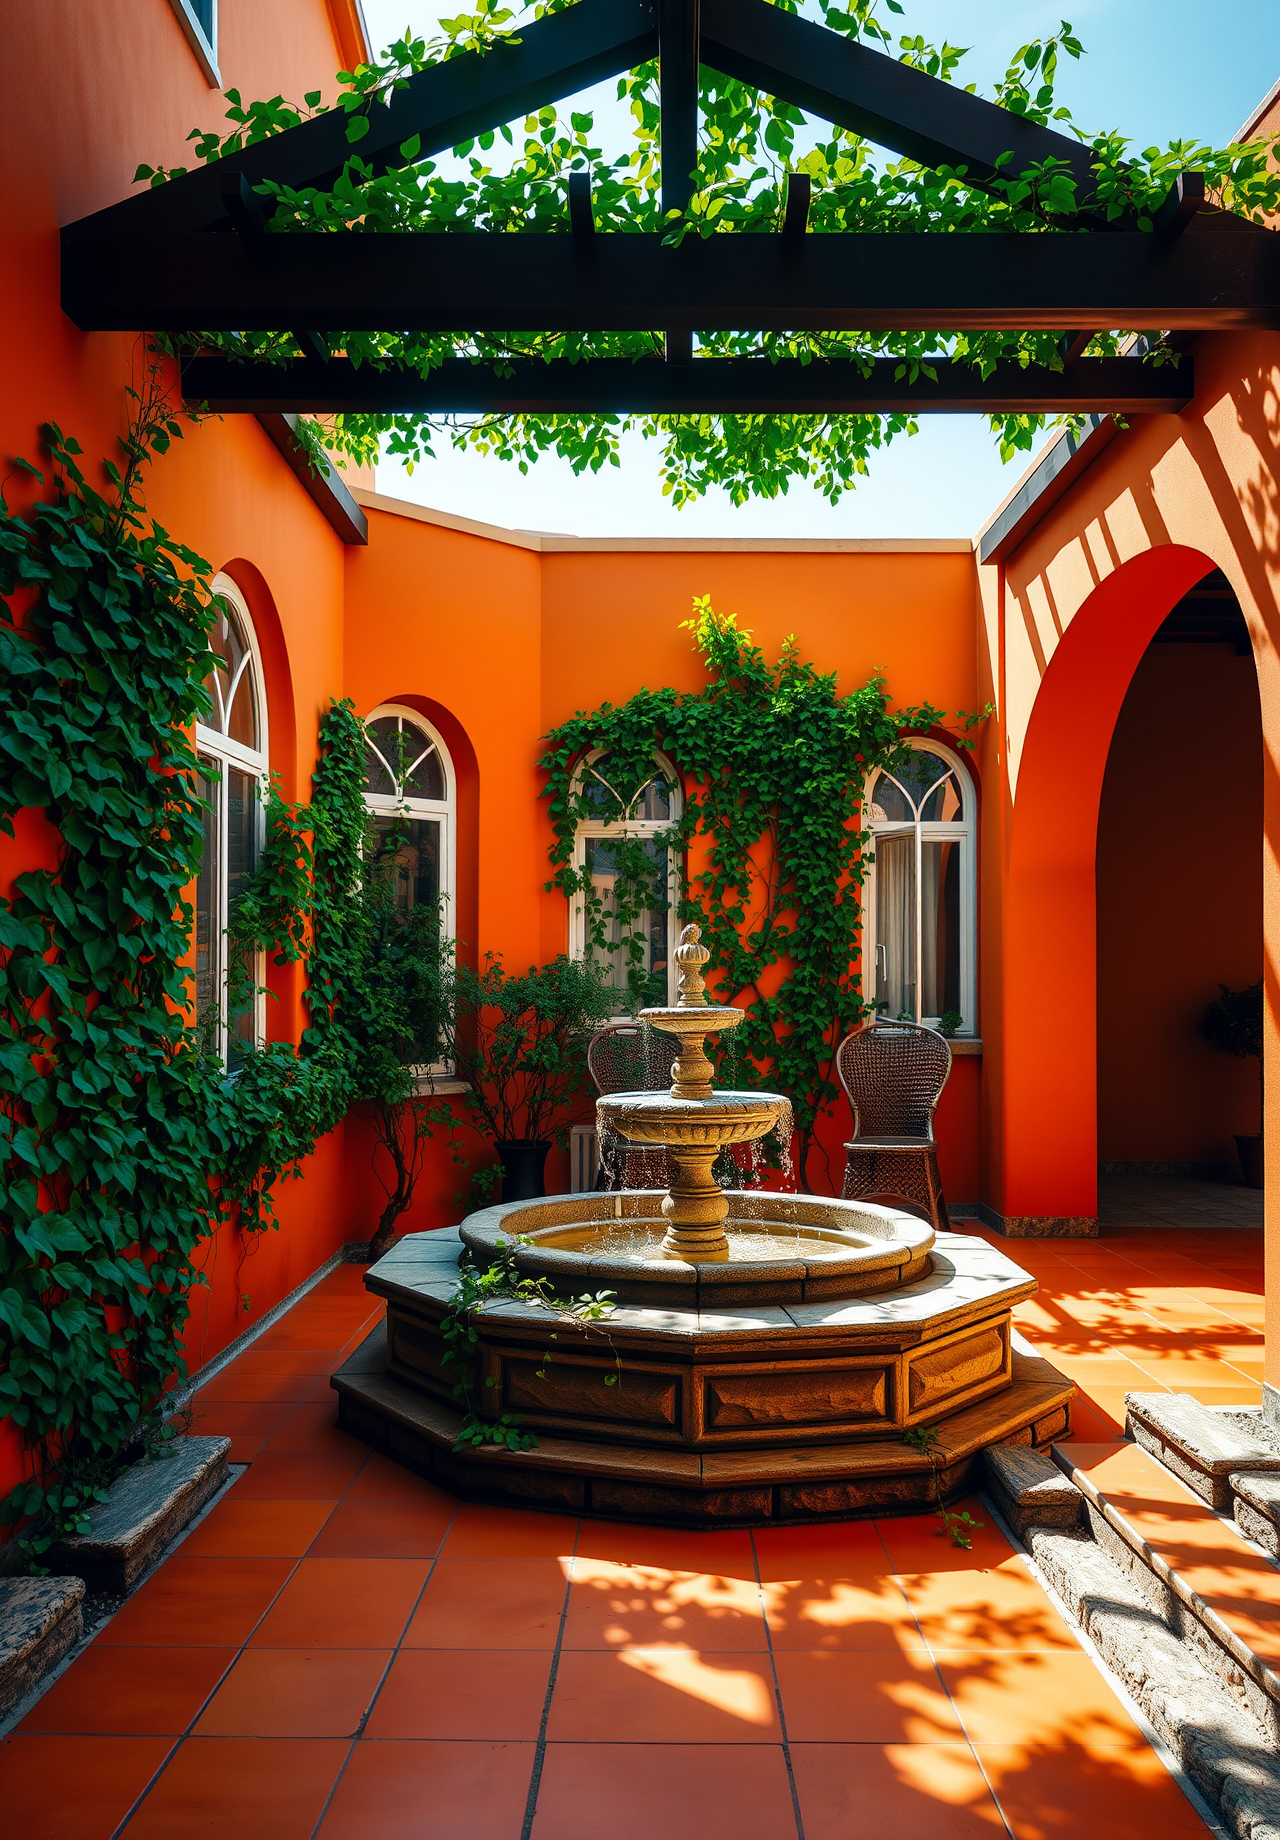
[[628, 882], [920, 890], [232, 749], [409, 788]]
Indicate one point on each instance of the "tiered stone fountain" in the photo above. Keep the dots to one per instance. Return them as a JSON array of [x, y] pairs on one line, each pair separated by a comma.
[[766, 1355]]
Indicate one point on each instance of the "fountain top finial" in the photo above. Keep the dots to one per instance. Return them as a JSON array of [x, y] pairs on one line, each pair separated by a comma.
[[690, 958]]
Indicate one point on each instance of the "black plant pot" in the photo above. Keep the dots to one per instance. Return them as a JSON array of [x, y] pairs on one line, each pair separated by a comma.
[[523, 1167], [1249, 1150]]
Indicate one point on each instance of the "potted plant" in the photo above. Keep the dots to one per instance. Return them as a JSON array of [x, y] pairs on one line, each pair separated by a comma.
[[515, 1040], [1233, 1025]]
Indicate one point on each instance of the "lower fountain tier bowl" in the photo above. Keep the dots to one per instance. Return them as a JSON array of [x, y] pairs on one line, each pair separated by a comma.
[[782, 1248], [657, 1118]]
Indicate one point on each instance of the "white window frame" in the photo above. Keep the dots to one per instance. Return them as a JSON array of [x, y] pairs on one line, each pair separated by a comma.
[[212, 744], [441, 811], [629, 827], [965, 832], [204, 45]]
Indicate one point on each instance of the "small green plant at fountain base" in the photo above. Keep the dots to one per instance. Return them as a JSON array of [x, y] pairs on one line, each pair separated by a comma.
[[502, 1282], [959, 1523]]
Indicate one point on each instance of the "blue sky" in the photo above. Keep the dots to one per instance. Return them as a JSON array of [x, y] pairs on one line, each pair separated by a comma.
[[1156, 69]]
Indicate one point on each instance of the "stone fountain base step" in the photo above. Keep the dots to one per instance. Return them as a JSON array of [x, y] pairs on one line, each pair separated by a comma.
[[691, 1488]]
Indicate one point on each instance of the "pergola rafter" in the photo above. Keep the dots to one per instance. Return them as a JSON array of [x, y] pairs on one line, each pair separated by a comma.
[[193, 254]]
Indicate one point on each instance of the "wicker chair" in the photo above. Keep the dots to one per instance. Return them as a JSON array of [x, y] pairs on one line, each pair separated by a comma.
[[893, 1073], [627, 1058]]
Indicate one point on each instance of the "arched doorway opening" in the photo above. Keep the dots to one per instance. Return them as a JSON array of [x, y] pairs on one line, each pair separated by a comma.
[[1179, 914]]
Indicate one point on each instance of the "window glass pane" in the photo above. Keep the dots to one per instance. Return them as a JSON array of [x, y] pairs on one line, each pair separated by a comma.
[[889, 804], [412, 856], [918, 770], [602, 801], [945, 804], [940, 927], [649, 931], [376, 777], [895, 926], [242, 858], [230, 683], [424, 776], [207, 933], [654, 802]]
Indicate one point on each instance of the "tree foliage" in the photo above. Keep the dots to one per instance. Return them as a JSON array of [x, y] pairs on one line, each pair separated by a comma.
[[517, 180]]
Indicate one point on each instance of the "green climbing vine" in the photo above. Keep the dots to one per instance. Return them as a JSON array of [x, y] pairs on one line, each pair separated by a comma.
[[748, 145], [774, 759], [122, 1142]]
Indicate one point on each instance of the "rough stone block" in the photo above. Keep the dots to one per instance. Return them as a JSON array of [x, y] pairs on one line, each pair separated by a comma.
[[145, 1508], [40, 1618], [1029, 1488], [1257, 1507], [1202, 1447]]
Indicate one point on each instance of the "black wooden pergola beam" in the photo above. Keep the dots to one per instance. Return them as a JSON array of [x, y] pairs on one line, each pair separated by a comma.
[[444, 105], [1220, 274], [707, 386], [906, 110]]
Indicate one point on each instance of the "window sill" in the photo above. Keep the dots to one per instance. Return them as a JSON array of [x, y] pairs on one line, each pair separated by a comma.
[[439, 1086], [964, 1044]]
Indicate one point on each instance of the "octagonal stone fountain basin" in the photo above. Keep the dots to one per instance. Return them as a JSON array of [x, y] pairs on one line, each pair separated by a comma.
[[782, 1248]]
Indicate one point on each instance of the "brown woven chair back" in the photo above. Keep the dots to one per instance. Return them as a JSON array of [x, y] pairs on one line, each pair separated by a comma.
[[626, 1057], [893, 1073]]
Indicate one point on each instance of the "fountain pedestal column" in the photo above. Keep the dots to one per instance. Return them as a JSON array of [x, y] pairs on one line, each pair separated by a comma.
[[694, 1207]]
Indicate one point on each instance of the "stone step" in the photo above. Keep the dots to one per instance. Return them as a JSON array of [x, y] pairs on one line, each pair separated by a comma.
[[1200, 1444], [40, 1618], [1257, 1507], [146, 1507], [1218, 1595], [1030, 1490], [1230, 1756]]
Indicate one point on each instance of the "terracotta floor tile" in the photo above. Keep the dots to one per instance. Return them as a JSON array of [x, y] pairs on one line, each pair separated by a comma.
[[431, 1791], [836, 1549], [471, 1603], [619, 1606], [139, 1690], [344, 1603], [194, 1601], [237, 1388], [900, 1791], [217, 1418], [314, 1426], [395, 1529], [382, 1480], [668, 1548], [274, 1362], [481, 1532], [664, 1695], [73, 1788], [689, 1792], [915, 1542], [1047, 1792], [462, 1693], [850, 1615], [295, 1693], [243, 1788], [1016, 1698], [306, 1335], [258, 1529], [301, 1475], [869, 1698], [998, 1607]]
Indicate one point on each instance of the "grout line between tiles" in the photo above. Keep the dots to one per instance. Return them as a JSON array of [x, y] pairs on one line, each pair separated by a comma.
[[540, 1747], [367, 1714], [777, 1693]]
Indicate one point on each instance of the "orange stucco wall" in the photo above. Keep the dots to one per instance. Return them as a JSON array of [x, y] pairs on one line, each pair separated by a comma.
[[1179, 905]]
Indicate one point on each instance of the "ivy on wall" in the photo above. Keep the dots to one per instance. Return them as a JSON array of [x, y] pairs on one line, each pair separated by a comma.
[[121, 1143], [774, 760]]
